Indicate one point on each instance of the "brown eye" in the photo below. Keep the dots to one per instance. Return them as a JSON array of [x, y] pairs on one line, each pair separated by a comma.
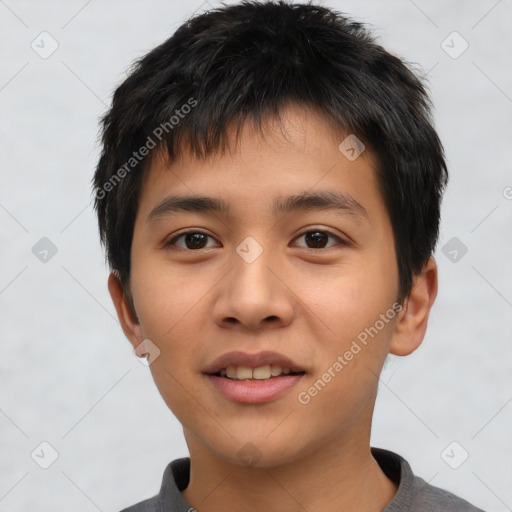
[[192, 240], [316, 238], [197, 240]]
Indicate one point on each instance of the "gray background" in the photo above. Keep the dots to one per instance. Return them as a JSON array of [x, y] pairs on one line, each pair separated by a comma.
[[67, 374]]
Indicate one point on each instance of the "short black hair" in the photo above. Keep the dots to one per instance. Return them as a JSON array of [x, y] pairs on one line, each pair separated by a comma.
[[253, 59]]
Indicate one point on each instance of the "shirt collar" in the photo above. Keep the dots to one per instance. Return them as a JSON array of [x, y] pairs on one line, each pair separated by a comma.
[[177, 473]]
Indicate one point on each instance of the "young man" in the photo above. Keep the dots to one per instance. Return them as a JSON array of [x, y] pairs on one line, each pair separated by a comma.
[[269, 194]]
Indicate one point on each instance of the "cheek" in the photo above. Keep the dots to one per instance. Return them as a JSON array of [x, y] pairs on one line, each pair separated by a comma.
[[348, 299], [163, 299], [170, 307], [350, 310], [173, 309]]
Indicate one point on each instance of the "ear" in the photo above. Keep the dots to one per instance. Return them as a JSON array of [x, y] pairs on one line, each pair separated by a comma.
[[413, 318], [128, 320]]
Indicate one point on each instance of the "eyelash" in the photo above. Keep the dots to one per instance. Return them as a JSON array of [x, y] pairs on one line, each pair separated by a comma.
[[329, 233]]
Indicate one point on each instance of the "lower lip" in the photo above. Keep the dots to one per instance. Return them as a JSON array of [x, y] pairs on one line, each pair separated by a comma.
[[253, 391]]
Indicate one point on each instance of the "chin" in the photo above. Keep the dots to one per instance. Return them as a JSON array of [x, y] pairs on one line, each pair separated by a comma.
[[261, 452]]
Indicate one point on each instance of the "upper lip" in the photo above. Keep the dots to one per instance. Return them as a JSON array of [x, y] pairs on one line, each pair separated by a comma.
[[251, 360]]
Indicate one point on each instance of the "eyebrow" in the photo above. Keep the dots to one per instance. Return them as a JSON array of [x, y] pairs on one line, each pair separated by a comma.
[[322, 200]]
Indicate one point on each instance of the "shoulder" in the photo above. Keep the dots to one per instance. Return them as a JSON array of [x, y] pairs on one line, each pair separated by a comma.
[[174, 480], [413, 493], [149, 505], [435, 499]]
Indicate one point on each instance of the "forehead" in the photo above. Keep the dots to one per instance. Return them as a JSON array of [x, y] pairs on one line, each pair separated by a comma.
[[299, 154]]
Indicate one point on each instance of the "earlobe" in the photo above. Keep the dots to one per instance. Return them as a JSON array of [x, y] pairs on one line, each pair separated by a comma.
[[129, 322], [412, 320]]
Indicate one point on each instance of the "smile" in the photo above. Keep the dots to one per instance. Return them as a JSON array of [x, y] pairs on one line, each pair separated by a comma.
[[260, 373], [253, 391]]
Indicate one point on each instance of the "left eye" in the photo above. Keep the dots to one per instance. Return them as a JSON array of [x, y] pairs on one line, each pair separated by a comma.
[[195, 240], [317, 237]]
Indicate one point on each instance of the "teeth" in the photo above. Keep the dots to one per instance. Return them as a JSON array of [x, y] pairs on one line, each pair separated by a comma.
[[260, 373], [263, 372], [243, 372], [231, 372], [275, 370]]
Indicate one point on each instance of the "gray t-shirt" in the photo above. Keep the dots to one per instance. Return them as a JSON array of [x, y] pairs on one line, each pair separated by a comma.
[[413, 494]]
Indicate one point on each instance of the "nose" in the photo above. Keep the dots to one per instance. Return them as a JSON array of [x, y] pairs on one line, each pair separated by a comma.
[[254, 295]]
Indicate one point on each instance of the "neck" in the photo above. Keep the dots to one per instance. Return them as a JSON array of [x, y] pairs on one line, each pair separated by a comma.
[[339, 477]]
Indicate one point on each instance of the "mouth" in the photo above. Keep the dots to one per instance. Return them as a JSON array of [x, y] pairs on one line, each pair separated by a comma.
[[253, 378], [260, 373], [245, 365]]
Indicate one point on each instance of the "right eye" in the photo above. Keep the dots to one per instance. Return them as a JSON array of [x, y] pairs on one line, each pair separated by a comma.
[[196, 239], [311, 236]]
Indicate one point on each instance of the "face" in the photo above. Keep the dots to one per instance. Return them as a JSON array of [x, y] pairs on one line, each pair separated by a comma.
[[306, 283]]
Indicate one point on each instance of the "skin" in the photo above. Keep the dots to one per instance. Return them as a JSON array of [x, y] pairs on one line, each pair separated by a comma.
[[306, 303]]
